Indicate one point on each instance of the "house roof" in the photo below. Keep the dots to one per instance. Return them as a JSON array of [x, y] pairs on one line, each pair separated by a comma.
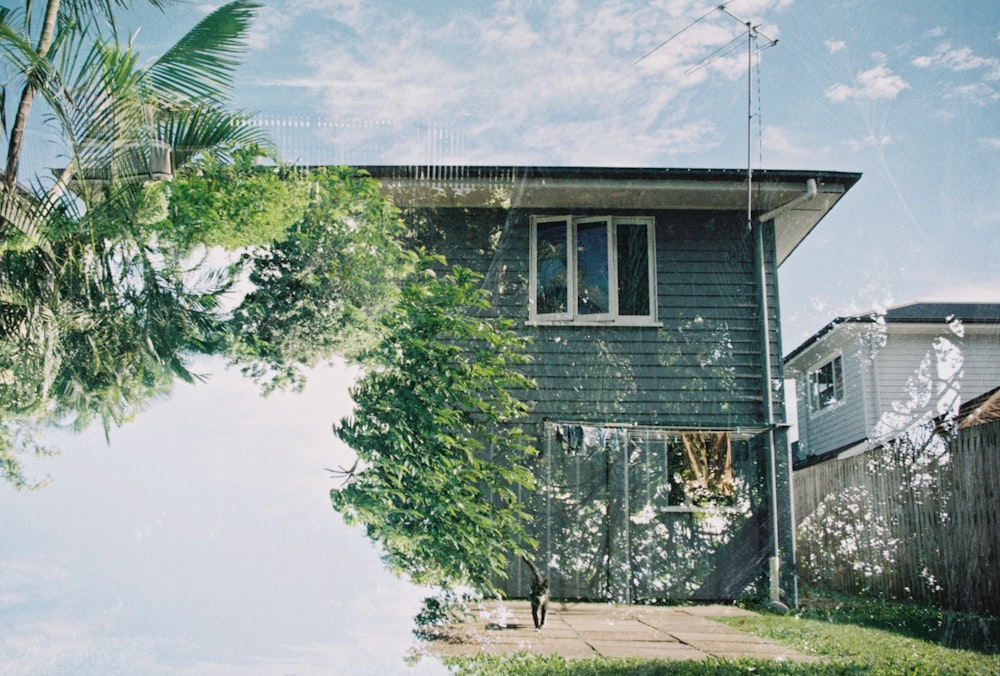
[[915, 313], [625, 188], [983, 409]]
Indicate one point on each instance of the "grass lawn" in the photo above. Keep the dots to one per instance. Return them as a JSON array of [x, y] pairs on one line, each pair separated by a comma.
[[853, 636]]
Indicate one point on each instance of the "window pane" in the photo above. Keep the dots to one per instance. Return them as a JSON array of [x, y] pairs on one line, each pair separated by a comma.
[[827, 384], [592, 268], [633, 269], [552, 296]]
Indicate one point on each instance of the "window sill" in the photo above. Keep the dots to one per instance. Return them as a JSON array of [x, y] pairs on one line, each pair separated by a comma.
[[829, 408], [645, 323]]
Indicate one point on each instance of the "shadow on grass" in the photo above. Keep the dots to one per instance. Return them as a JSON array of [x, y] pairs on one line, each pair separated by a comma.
[[945, 628]]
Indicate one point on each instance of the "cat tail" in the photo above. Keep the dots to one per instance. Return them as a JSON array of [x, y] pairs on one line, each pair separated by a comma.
[[534, 569]]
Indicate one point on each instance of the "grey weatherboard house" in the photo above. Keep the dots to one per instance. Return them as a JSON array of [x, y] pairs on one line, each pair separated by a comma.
[[864, 379], [651, 299]]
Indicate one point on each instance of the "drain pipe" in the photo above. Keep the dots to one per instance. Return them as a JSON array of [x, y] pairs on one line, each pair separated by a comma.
[[774, 602]]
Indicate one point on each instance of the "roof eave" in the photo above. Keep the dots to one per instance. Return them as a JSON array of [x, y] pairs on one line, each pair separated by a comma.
[[533, 187], [896, 316]]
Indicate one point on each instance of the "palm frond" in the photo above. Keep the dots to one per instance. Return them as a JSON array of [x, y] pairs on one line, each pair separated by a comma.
[[106, 110], [202, 129], [200, 65], [18, 52], [23, 222]]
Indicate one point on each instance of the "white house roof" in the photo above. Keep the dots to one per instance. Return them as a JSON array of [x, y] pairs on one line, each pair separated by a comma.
[[915, 313], [626, 188]]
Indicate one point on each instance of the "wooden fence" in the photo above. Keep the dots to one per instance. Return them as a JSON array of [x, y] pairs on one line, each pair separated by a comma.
[[918, 519]]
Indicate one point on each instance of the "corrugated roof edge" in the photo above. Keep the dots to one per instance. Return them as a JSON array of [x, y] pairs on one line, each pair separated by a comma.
[[493, 172]]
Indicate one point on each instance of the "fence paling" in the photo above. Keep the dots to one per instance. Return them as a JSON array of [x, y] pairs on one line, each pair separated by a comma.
[[926, 521], [974, 533]]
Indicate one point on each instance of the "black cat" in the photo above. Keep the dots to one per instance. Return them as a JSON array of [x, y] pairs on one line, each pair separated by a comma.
[[539, 595]]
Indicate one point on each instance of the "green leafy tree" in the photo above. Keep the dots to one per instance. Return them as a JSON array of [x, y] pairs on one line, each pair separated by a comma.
[[239, 198], [111, 276], [320, 288], [441, 458], [99, 309]]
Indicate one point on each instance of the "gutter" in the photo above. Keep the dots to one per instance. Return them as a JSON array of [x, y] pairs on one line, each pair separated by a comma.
[[812, 189]]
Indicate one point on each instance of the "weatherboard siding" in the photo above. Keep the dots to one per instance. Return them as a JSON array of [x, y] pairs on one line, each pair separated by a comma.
[[701, 368], [981, 351], [896, 375], [841, 424], [914, 369]]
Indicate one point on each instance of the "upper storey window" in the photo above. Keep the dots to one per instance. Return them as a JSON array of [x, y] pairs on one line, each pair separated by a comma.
[[592, 270], [826, 384]]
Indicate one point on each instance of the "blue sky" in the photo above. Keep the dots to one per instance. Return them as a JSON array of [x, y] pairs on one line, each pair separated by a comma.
[[202, 534], [906, 93]]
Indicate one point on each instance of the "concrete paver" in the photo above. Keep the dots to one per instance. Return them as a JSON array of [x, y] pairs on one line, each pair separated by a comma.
[[592, 629], [661, 651]]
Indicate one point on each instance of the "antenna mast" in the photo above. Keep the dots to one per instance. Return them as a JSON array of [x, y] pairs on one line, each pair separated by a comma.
[[752, 32], [775, 565]]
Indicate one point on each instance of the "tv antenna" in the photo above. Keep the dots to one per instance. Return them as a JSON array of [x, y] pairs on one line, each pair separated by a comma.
[[752, 32]]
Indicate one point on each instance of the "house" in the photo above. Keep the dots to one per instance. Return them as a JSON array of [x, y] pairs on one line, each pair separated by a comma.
[[980, 410], [651, 300], [864, 379]]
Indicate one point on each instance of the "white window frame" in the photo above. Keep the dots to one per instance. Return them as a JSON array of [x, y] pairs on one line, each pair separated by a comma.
[[836, 363], [572, 314]]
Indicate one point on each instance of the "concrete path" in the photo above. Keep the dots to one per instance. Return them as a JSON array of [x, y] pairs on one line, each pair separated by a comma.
[[591, 629]]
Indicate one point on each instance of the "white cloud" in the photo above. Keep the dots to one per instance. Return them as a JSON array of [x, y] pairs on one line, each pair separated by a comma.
[[966, 291], [963, 62], [509, 29], [991, 142], [608, 143], [834, 46], [787, 149], [509, 80], [959, 59], [269, 24], [870, 141], [351, 13], [876, 83], [978, 93]]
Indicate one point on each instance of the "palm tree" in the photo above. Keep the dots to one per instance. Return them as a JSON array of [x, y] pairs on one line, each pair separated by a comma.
[[98, 308]]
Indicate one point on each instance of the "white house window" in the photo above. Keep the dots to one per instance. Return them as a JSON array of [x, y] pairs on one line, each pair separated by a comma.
[[592, 270], [826, 384]]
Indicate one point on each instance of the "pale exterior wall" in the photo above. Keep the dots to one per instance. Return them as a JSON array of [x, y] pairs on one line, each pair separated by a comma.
[[927, 371], [844, 422], [895, 375]]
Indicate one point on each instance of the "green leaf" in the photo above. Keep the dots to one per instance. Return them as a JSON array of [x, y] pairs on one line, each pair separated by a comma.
[[200, 65]]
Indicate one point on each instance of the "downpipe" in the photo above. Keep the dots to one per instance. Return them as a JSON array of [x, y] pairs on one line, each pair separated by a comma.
[[774, 602]]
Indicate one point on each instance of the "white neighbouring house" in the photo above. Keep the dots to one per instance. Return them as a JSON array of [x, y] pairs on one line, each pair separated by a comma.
[[862, 380]]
